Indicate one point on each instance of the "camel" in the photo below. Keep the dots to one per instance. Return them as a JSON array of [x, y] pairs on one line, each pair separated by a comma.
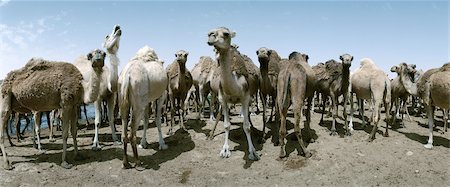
[[201, 74], [370, 83], [44, 85], [237, 84], [143, 80], [292, 89], [180, 81], [269, 61], [433, 88], [399, 93], [108, 86], [334, 80]]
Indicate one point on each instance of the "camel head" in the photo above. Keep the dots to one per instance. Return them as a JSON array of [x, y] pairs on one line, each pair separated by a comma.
[[112, 41], [407, 73], [346, 59], [97, 57], [299, 57], [181, 57], [220, 38], [263, 55]]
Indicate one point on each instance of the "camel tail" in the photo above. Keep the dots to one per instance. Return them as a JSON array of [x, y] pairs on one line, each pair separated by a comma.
[[124, 90], [287, 85]]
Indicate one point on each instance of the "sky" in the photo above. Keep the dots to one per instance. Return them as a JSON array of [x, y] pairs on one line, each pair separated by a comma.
[[389, 32]]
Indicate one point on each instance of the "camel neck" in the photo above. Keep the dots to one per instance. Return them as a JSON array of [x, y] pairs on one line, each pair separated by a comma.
[[114, 76], [92, 87], [228, 79], [345, 77]]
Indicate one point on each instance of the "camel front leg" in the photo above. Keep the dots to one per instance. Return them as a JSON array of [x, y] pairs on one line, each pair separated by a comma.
[[37, 131], [430, 111], [219, 115], [98, 119], [334, 114], [264, 102], [74, 130], [225, 152], [252, 154], [182, 114], [51, 123], [5, 113], [111, 102], [350, 124], [172, 113]]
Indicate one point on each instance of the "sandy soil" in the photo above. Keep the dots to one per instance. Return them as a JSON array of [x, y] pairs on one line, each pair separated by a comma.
[[398, 160]]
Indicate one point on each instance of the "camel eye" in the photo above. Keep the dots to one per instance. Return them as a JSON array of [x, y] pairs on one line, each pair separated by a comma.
[[226, 34]]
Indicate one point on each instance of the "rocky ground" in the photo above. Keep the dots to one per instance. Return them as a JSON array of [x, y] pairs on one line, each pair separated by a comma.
[[192, 160]]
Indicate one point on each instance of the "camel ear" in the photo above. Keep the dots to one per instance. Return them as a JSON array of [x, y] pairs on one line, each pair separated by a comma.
[[107, 36], [352, 58], [89, 56], [306, 57], [257, 52], [269, 52], [232, 34], [185, 55], [340, 57], [413, 66], [104, 55]]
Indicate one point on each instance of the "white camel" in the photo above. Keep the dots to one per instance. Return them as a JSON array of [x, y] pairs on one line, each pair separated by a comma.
[[108, 86], [142, 81]]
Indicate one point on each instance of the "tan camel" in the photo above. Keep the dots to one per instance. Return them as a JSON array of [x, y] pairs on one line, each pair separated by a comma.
[[237, 84], [180, 81], [201, 74], [370, 83], [143, 80], [433, 87], [292, 89], [269, 61], [43, 85], [334, 80], [108, 86], [399, 92]]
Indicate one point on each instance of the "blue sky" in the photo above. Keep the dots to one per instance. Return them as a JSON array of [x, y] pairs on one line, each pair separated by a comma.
[[389, 32]]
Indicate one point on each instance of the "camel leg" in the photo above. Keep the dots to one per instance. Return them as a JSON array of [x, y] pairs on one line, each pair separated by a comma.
[[5, 114], [252, 154], [65, 134], [361, 112], [350, 124], [344, 113], [263, 99], [429, 145], [271, 111], [17, 124], [50, 123], [134, 124], [144, 144], [85, 115], [225, 152], [111, 102], [124, 114], [183, 113], [74, 130], [98, 119], [334, 114], [37, 131], [172, 113], [376, 115], [445, 120], [219, 115], [323, 109], [297, 131], [283, 114], [308, 119], [212, 106], [407, 113], [9, 136], [386, 107], [158, 106]]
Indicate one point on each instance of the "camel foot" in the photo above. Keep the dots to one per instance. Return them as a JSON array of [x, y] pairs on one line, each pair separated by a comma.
[[261, 141], [348, 133], [312, 140], [333, 133], [143, 145], [225, 152], [211, 136], [126, 165], [386, 134], [52, 140], [7, 166], [66, 165], [254, 156], [282, 154], [308, 154], [369, 139], [96, 148], [170, 132], [163, 146], [116, 142], [139, 166], [428, 146]]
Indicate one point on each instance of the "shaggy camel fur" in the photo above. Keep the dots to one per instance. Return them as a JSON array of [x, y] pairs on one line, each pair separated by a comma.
[[43, 85], [401, 87], [292, 89], [108, 86], [180, 81], [333, 80], [237, 84], [370, 83], [434, 89], [143, 80], [269, 61]]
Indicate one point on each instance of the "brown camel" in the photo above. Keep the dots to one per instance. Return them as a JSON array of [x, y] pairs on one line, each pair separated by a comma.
[[292, 89], [180, 81], [399, 92], [237, 84], [269, 61], [333, 80], [43, 86], [434, 89], [370, 83]]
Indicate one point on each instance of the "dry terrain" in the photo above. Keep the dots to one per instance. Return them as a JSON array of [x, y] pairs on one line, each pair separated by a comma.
[[192, 160]]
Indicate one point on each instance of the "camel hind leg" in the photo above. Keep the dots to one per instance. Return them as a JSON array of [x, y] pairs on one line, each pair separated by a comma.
[[5, 113], [36, 132], [66, 112], [111, 103]]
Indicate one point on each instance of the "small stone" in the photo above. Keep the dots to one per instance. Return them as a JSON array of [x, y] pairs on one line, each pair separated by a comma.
[[360, 154], [417, 171], [409, 153]]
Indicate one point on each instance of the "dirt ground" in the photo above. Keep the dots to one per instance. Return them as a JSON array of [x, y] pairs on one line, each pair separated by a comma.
[[192, 160]]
